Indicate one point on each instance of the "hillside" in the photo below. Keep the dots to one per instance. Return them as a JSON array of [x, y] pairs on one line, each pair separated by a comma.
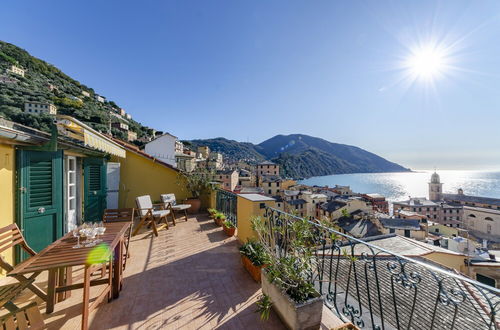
[[44, 82], [303, 156], [232, 150]]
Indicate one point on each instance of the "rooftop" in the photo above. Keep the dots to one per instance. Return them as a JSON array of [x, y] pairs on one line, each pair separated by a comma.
[[402, 246], [332, 206], [296, 201], [257, 197], [398, 223], [472, 199], [417, 201]]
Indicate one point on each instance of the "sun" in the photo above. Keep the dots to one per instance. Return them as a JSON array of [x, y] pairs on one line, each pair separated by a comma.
[[426, 63]]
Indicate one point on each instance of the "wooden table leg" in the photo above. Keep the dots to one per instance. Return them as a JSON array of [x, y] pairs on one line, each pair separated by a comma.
[[86, 297], [69, 280], [117, 269], [51, 291]]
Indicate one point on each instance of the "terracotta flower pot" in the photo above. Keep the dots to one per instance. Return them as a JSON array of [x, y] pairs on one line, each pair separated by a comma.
[[218, 221], [229, 231], [195, 205], [252, 269]]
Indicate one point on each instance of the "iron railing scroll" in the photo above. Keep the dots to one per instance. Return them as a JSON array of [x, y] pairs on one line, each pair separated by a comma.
[[377, 289]]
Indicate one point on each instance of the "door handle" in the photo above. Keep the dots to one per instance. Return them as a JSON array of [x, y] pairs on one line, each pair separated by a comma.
[[41, 210]]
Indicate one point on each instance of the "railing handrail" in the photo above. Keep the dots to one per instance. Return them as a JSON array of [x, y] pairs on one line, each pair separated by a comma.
[[409, 259]]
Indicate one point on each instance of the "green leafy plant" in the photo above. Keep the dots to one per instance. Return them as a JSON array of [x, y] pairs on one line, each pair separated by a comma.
[[196, 183], [264, 305], [220, 215], [212, 211], [229, 224], [255, 252], [291, 272]]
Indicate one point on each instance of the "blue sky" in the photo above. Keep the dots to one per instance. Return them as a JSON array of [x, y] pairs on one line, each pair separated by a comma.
[[248, 70]]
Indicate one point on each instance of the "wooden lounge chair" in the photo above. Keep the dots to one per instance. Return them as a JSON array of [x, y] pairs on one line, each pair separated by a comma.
[[148, 214], [10, 237], [121, 215], [27, 317], [170, 201]]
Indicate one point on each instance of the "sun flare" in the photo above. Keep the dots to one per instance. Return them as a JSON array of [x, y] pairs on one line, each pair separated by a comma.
[[426, 63]]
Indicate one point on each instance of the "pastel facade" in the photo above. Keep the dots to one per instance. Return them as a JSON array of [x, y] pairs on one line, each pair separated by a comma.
[[52, 183], [163, 148], [482, 222], [37, 108], [227, 178], [268, 168], [17, 70], [143, 174]]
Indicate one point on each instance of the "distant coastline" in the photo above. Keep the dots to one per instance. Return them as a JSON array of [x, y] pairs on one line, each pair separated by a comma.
[[400, 185]]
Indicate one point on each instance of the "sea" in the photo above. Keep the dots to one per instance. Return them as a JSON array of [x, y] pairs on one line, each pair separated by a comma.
[[400, 186]]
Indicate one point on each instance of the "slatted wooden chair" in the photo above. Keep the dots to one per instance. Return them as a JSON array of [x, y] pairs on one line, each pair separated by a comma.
[[27, 317], [121, 215], [10, 237], [149, 213], [170, 202], [9, 292]]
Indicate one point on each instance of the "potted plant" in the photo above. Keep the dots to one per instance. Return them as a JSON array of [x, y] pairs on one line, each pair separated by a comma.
[[197, 183], [219, 218], [212, 212], [253, 258], [229, 228], [286, 279]]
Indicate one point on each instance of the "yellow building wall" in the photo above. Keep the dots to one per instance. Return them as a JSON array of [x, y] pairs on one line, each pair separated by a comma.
[[7, 197], [448, 260], [246, 209], [143, 176]]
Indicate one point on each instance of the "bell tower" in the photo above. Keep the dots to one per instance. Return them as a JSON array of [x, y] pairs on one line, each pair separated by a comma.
[[435, 188]]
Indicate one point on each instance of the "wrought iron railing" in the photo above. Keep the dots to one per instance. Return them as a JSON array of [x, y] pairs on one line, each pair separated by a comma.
[[226, 203], [378, 289]]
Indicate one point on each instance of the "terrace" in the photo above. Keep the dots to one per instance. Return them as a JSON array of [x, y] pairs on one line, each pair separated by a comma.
[[190, 277]]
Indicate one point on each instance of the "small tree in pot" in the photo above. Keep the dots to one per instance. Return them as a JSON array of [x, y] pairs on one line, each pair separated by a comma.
[[197, 183], [286, 279]]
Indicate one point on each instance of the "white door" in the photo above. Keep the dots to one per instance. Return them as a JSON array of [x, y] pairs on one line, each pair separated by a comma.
[[113, 178], [71, 193]]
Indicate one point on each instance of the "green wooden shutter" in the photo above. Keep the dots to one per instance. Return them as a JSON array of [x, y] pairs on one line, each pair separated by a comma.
[[40, 203], [94, 188]]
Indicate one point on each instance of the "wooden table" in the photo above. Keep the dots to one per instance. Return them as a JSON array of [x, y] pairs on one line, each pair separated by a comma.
[[60, 256]]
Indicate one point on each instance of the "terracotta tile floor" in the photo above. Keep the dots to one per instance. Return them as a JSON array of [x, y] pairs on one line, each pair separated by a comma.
[[189, 277]]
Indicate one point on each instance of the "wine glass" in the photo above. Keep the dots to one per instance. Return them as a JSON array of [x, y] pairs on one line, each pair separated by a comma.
[[76, 233]]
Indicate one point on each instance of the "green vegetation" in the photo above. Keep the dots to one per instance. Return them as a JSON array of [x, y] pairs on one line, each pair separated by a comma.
[[290, 273], [255, 252], [264, 305], [35, 87], [228, 224]]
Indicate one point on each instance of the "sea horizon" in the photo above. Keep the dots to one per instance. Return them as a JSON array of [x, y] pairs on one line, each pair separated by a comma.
[[396, 186]]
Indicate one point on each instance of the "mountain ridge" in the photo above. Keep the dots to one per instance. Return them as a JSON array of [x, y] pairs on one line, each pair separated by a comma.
[[301, 155]]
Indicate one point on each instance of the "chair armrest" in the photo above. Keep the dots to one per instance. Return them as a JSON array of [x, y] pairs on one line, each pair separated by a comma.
[[160, 205]]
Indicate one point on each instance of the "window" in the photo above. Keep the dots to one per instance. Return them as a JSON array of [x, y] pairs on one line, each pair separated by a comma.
[[269, 191], [488, 219], [488, 229]]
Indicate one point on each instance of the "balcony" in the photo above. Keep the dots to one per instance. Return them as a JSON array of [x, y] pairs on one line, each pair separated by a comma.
[[190, 277]]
